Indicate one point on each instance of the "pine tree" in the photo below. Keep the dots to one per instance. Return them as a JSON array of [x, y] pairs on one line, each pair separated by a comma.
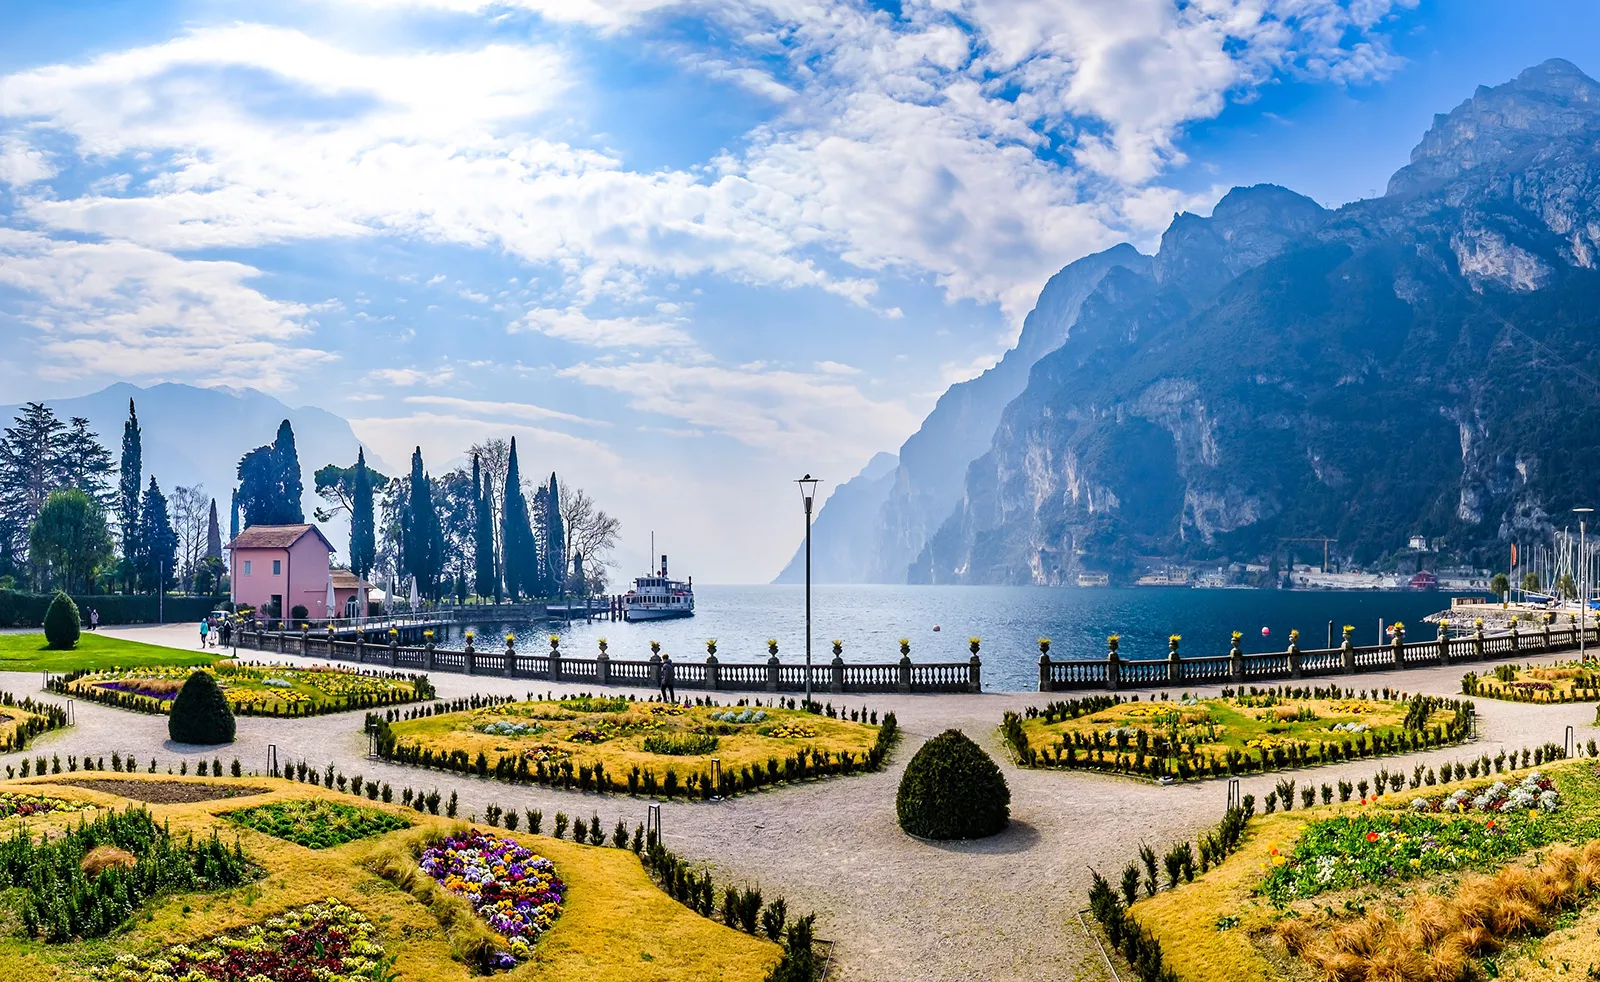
[[269, 482], [555, 541], [233, 514], [521, 558], [129, 487], [158, 557], [485, 582], [85, 463], [30, 468], [363, 538]]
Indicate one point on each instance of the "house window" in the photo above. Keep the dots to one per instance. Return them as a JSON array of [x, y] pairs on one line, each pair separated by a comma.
[[247, 567], [277, 567]]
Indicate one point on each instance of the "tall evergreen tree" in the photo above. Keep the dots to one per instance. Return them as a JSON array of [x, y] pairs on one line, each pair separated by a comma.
[[213, 534], [158, 558], [363, 537], [129, 487], [521, 555], [269, 482], [485, 582], [233, 514], [555, 539], [422, 539], [86, 463], [30, 468]]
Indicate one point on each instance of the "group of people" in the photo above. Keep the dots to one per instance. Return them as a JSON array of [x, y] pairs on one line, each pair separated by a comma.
[[213, 635]]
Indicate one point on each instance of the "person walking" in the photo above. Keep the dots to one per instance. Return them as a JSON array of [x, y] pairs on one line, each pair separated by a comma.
[[667, 672], [205, 629], [94, 619]]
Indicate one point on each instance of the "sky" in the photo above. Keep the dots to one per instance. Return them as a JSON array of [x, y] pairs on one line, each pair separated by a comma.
[[684, 250]]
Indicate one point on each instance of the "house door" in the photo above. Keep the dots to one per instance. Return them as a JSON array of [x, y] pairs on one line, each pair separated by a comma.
[[352, 607]]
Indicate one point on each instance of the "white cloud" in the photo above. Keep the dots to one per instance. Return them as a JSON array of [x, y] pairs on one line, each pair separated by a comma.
[[572, 324], [407, 377], [117, 309], [487, 407], [783, 413], [20, 164], [836, 368]]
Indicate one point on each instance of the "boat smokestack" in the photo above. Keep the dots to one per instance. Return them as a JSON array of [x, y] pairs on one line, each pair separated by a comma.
[[663, 564]]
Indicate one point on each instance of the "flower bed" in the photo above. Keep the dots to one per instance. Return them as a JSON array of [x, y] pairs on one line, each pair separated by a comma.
[[1534, 791], [14, 804], [516, 892], [637, 746], [23, 719], [251, 690], [1241, 732], [1570, 681], [317, 823], [325, 941], [1377, 847]]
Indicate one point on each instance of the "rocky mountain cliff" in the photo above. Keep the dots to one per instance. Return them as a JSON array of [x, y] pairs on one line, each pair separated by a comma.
[[1421, 363]]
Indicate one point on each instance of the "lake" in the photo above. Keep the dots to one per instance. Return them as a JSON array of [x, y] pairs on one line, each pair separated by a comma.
[[871, 620]]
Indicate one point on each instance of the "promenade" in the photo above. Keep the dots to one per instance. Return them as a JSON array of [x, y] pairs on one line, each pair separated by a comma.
[[897, 909]]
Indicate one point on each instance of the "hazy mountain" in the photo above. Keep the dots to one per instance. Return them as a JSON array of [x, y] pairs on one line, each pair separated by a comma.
[[839, 553], [1424, 362], [197, 435]]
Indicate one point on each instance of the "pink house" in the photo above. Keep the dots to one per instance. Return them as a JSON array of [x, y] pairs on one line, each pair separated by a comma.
[[275, 568]]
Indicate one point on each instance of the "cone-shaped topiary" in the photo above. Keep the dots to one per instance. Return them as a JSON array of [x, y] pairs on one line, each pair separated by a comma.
[[200, 713], [952, 790], [61, 623]]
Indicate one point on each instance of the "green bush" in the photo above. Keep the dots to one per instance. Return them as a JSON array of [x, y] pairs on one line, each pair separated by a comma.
[[200, 713], [61, 623], [952, 790]]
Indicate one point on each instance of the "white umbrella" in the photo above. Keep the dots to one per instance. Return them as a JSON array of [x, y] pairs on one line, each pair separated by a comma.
[[333, 600], [413, 593]]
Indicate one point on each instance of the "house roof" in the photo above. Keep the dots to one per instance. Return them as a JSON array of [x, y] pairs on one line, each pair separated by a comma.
[[343, 579], [275, 537]]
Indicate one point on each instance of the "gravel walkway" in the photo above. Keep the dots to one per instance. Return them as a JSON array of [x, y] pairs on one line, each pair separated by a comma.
[[897, 908]]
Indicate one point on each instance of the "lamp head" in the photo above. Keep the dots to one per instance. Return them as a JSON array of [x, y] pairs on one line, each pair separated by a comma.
[[808, 491]]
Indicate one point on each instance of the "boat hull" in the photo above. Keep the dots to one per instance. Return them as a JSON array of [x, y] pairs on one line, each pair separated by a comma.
[[654, 615]]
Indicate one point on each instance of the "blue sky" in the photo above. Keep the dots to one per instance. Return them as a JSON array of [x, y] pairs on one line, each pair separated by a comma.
[[683, 249]]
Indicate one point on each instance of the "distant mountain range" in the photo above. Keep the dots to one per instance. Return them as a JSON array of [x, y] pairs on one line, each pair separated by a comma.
[[1426, 362], [194, 435]]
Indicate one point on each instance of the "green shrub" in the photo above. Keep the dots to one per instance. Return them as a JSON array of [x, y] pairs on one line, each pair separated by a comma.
[[680, 744], [317, 824], [61, 623], [952, 790], [200, 713]]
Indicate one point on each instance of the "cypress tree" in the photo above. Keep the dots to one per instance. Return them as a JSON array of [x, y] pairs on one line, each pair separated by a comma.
[[129, 488], [363, 537], [555, 541], [233, 515], [159, 542], [521, 559], [289, 486], [484, 580], [423, 544], [213, 535]]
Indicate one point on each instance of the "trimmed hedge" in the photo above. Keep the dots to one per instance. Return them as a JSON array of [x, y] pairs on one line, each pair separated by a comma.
[[200, 713], [61, 623], [953, 790], [28, 609]]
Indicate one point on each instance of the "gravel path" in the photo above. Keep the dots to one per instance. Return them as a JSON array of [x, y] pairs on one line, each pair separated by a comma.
[[897, 908]]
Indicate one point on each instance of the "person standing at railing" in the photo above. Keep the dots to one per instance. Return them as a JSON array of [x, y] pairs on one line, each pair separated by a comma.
[[668, 670]]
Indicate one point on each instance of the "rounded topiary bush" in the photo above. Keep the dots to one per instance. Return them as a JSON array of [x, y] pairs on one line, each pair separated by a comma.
[[61, 623], [200, 713], [953, 790]]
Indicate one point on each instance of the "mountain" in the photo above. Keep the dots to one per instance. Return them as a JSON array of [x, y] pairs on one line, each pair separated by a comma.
[[197, 435], [1421, 363], [838, 555]]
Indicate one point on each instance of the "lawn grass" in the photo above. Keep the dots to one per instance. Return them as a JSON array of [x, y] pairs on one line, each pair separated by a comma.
[[614, 733], [1220, 928], [616, 924], [27, 653]]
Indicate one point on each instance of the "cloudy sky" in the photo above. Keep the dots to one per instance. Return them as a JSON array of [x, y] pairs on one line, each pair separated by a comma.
[[684, 251]]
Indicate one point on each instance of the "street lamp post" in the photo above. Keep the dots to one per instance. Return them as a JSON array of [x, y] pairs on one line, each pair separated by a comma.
[[808, 494], [1583, 585]]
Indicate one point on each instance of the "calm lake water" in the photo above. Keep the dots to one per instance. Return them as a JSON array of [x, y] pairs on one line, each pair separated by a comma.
[[871, 620]]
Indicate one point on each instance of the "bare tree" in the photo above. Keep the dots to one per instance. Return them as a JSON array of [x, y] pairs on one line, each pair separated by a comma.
[[494, 458], [191, 519], [590, 531]]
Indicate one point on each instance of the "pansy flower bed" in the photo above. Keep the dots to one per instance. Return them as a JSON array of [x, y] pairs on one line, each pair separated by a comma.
[[1385, 846], [515, 891], [14, 804], [317, 823], [251, 690], [1534, 791], [325, 941]]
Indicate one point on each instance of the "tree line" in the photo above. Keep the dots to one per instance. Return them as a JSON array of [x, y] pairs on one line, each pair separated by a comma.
[[64, 525]]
